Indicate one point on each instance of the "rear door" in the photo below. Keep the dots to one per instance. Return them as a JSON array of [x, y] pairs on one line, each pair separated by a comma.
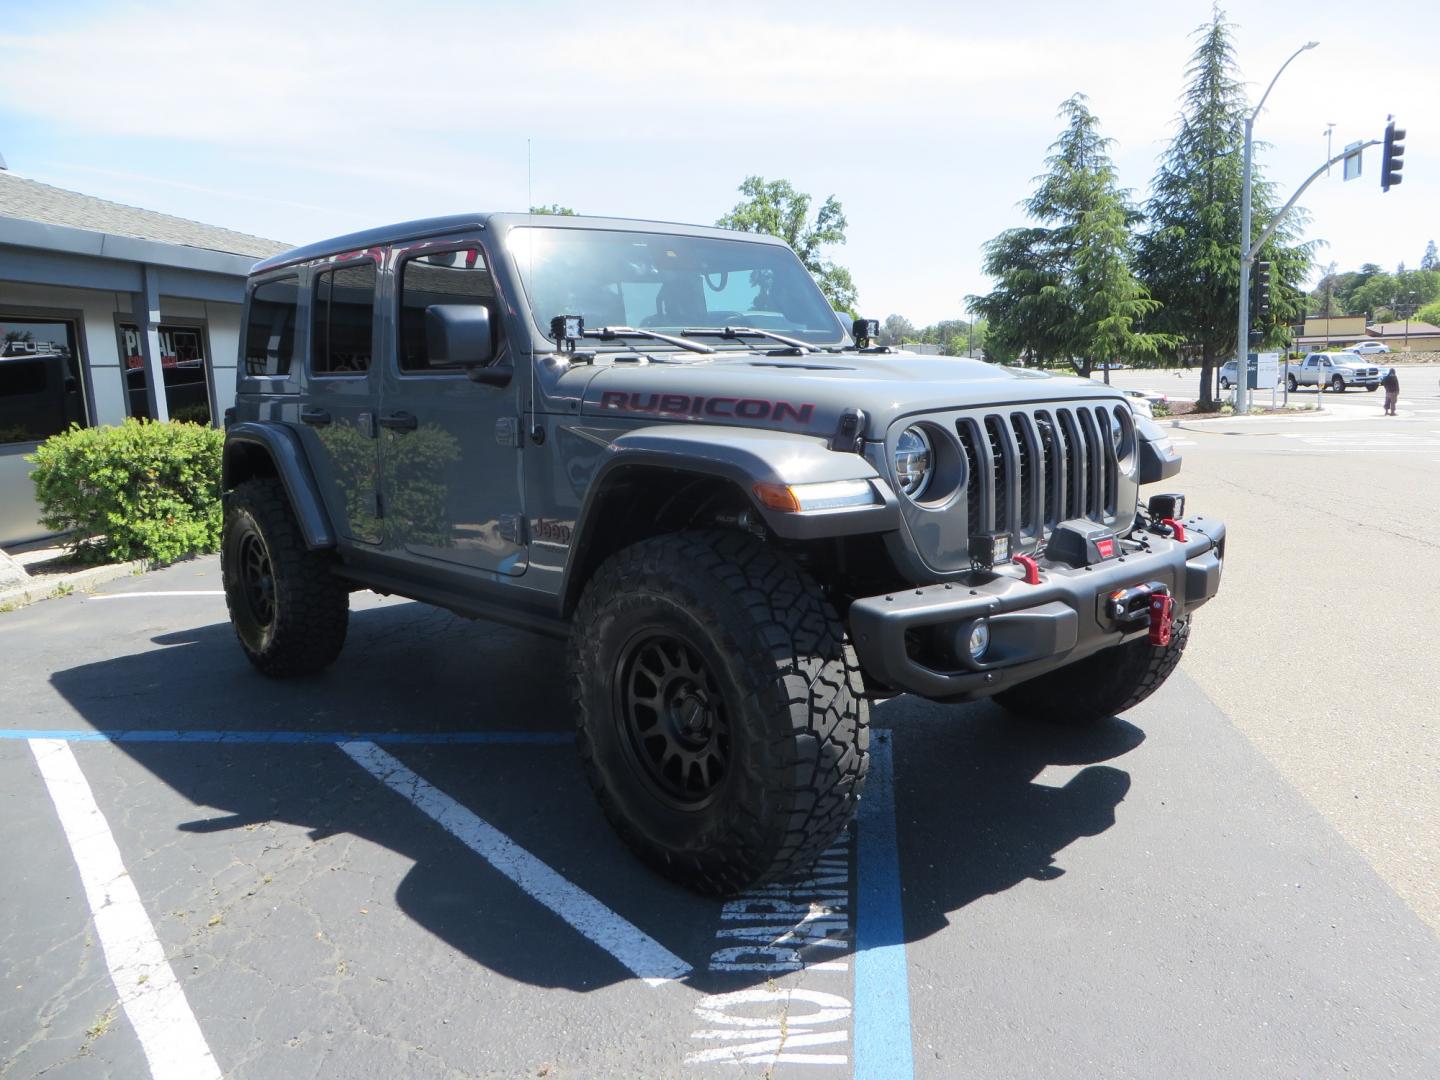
[[342, 383], [449, 446]]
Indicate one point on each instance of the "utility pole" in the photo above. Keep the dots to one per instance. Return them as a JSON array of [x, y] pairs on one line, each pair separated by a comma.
[[1242, 341]]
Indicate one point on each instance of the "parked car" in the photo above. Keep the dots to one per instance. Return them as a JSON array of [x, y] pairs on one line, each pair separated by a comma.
[[1143, 403], [1370, 347], [1227, 374], [1339, 371], [656, 440]]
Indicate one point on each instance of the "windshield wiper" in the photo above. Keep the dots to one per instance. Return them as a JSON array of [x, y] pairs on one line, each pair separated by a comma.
[[735, 333], [612, 333]]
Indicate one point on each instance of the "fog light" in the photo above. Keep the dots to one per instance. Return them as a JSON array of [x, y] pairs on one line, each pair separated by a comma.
[[979, 639]]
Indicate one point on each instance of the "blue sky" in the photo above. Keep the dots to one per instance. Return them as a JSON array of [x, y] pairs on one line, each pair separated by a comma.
[[927, 121]]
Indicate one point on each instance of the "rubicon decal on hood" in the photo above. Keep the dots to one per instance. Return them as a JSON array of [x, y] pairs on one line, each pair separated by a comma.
[[686, 405]]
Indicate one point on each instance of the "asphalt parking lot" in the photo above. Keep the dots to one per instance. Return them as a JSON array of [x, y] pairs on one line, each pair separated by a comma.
[[395, 869]]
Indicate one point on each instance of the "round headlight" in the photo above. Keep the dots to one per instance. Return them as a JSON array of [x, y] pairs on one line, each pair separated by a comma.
[[914, 462]]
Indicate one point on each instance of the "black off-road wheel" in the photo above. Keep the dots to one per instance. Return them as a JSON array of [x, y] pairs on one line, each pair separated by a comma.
[[1102, 685], [289, 610], [721, 718]]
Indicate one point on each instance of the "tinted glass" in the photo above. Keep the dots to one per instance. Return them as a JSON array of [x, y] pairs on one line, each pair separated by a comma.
[[668, 283], [270, 331], [450, 277], [41, 393], [182, 360], [340, 336]]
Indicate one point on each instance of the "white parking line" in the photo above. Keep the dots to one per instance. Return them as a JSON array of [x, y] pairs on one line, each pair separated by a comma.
[[147, 595], [153, 999], [622, 939]]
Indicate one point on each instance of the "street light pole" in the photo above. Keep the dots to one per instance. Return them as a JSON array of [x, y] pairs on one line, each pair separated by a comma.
[[1242, 342]]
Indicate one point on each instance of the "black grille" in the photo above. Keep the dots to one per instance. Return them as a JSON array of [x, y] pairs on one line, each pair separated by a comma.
[[1028, 471], [975, 480]]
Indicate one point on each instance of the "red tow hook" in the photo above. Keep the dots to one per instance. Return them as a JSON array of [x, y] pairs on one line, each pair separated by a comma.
[[1032, 568], [1162, 617], [1176, 528]]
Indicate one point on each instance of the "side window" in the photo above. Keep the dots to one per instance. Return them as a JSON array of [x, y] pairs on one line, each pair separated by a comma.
[[270, 331], [344, 309], [449, 277]]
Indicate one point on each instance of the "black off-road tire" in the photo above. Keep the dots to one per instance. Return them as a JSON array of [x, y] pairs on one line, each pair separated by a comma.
[[1100, 686], [720, 711], [288, 608]]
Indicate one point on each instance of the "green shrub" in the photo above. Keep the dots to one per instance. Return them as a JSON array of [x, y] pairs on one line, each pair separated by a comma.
[[140, 490], [1160, 408]]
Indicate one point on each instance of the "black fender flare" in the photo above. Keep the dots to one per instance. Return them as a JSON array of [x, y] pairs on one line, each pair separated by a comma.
[[287, 457], [743, 457]]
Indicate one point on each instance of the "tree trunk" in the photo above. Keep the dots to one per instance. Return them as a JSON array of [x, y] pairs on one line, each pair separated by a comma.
[[1207, 364]]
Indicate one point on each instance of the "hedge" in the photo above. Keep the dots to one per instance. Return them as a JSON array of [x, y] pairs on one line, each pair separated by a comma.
[[141, 490]]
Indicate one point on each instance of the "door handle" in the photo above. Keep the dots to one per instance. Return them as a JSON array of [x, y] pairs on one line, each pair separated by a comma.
[[318, 417], [399, 421]]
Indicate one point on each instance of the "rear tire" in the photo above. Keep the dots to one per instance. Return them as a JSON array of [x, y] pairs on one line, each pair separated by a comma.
[[1290, 383], [721, 722], [1099, 686], [1224, 383], [289, 610]]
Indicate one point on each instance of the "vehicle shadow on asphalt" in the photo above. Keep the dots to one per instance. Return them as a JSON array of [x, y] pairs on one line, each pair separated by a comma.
[[971, 820]]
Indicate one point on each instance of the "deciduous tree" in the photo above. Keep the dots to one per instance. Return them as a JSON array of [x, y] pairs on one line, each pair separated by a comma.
[[775, 207]]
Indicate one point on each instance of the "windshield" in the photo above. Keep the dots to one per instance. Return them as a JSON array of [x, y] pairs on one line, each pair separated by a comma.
[[668, 282]]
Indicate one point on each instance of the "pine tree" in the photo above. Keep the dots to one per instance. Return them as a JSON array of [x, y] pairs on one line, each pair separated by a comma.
[[1065, 291], [1190, 254]]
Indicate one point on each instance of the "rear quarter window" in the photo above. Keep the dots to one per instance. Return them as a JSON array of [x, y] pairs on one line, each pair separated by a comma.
[[270, 327]]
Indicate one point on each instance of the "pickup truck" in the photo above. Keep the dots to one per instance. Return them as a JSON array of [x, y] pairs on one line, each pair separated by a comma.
[[1338, 371]]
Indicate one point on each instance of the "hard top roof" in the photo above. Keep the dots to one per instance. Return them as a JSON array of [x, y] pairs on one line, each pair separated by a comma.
[[453, 223]]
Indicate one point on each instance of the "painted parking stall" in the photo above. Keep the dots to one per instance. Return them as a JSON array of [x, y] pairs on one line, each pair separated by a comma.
[[791, 948]]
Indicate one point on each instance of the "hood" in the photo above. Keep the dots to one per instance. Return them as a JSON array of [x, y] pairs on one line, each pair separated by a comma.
[[809, 393]]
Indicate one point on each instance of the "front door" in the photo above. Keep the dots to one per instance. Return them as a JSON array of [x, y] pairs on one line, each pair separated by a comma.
[[337, 419], [449, 446]]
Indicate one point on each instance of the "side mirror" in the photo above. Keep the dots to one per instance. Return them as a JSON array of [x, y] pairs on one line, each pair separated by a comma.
[[458, 335]]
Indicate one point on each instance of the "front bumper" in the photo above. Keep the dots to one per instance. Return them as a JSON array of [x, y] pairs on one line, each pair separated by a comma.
[[902, 638]]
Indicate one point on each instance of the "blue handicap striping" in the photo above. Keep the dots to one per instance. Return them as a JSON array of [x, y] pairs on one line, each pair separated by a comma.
[[883, 1049], [398, 738]]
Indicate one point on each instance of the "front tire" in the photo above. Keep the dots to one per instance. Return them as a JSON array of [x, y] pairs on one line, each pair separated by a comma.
[[1372, 387], [721, 718], [289, 611], [1101, 685], [1337, 384]]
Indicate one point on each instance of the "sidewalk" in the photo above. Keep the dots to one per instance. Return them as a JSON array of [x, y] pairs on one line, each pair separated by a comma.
[[28, 576]]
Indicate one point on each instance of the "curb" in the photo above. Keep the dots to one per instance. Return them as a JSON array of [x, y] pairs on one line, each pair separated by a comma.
[[24, 595]]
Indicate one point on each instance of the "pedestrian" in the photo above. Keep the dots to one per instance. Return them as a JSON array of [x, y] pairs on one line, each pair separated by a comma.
[[1391, 382]]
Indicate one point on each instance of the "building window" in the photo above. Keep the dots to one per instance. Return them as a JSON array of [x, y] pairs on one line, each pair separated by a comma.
[[182, 363], [344, 309], [41, 391], [450, 277], [270, 327]]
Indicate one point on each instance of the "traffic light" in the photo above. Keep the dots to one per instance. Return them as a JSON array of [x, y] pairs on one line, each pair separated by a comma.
[[1393, 157], [1261, 302]]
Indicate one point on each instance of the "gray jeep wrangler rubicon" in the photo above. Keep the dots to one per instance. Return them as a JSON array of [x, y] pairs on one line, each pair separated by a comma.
[[660, 441]]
